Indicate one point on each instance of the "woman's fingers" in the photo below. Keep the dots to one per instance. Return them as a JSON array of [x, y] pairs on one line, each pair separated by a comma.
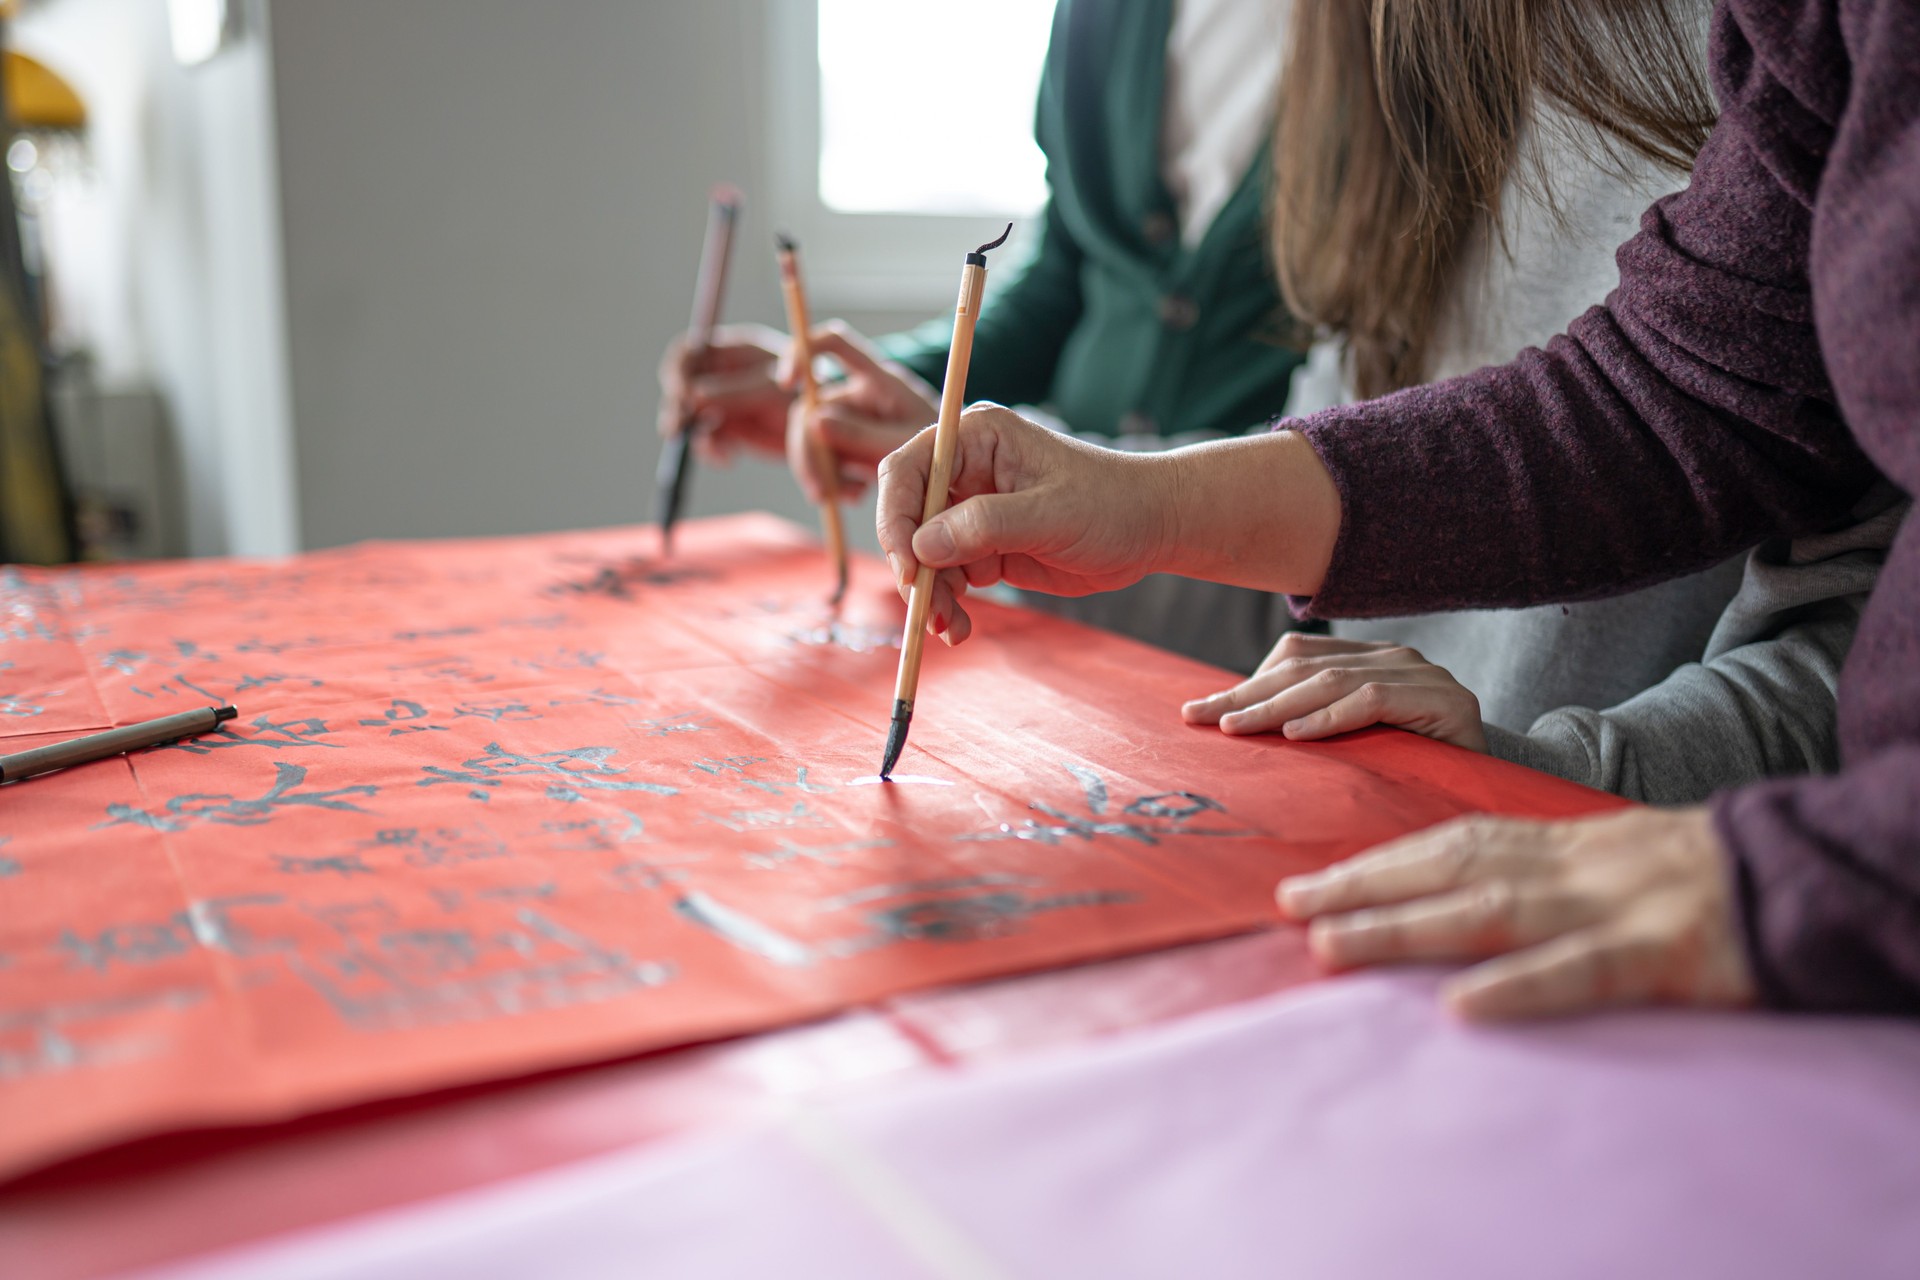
[[1484, 919], [854, 435], [733, 391], [1445, 713], [1305, 644], [841, 341], [1316, 695], [1586, 969], [1249, 692], [1313, 682], [903, 496], [1634, 907], [984, 526], [947, 617], [1431, 861], [853, 482]]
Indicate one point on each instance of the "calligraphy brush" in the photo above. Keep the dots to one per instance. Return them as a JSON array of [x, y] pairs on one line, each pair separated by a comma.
[[98, 746], [676, 455], [825, 464], [946, 436]]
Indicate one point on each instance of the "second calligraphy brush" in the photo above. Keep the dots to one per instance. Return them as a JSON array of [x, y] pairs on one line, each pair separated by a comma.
[[825, 464], [676, 454], [946, 437], [98, 746]]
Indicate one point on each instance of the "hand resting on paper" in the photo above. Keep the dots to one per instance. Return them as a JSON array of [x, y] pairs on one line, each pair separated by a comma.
[[729, 391], [874, 410], [1316, 686], [1049, 512], [1627, 908]]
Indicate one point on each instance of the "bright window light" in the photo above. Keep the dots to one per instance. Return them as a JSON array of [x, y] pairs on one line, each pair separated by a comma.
[[199, 27], [927, 107]]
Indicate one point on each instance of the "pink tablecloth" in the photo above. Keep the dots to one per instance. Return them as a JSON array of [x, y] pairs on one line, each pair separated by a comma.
[[1348, 1129]]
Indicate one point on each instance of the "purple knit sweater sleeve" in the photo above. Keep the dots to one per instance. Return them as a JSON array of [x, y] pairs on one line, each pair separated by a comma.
[[1759, 361]]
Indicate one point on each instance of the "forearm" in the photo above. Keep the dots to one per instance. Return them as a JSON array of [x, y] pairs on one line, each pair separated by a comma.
[[1252, 511]]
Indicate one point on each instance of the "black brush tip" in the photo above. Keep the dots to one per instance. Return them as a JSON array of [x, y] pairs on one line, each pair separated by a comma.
[[784, 242], [896, 743]]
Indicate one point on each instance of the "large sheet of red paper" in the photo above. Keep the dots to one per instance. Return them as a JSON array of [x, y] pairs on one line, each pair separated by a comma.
[[498, 806]]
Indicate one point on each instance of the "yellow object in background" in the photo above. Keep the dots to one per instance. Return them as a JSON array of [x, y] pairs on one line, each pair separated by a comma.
[[37, 98], [33, 525]]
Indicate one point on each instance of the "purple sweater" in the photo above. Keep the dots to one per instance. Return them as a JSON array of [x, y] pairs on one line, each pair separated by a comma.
[[1756, 369]]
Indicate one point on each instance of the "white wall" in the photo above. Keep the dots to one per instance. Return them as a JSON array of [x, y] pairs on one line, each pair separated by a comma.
[[174, 261], [493, 215], [404, 267]]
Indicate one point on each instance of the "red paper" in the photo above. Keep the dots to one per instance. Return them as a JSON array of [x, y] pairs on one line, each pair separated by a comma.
[[497, 806]]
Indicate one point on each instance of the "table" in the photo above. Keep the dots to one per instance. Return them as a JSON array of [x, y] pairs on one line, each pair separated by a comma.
[[500, 810]]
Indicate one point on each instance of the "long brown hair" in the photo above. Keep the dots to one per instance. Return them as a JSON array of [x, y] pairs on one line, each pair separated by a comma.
[[1400, 124]]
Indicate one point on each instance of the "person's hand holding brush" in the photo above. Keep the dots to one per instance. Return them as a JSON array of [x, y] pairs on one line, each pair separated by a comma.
[[862, 417]]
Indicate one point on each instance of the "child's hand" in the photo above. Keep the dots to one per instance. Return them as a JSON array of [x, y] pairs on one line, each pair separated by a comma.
[[1316, 686]]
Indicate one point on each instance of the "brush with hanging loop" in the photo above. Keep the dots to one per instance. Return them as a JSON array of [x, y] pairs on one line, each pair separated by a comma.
[[676, 454], [946, 436], [825, 465]]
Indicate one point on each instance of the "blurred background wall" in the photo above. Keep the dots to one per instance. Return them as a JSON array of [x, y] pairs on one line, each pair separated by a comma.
[[173, 267], [405, 267]]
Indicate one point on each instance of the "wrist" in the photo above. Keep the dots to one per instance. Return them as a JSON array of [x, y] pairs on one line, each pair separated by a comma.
[[1254, 511], [1168, 485]]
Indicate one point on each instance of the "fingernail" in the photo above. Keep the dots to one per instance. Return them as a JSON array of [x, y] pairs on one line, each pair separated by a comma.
[[1323, 939], [893, 566], [1298, 894], [1292, 727], [933, 543], [939, 623]]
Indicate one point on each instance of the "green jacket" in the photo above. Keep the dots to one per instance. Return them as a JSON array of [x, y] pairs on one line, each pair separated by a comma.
[[1114, 324]]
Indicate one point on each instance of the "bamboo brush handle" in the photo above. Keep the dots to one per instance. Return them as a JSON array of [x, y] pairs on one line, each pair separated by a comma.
[[946, 439], [825, 464], [801, 323]]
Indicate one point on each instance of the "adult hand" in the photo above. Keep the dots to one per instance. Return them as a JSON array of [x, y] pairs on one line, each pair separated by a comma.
[[1628, 908], [1027, 506], [875, 410], [1316, 686], [728, 391]]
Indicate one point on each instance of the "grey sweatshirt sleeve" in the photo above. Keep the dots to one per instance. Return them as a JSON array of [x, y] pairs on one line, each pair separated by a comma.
[[1759, 703]]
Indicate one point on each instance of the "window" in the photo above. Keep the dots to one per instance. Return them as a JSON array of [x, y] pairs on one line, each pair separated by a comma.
[[895, 82], [901, 131]]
